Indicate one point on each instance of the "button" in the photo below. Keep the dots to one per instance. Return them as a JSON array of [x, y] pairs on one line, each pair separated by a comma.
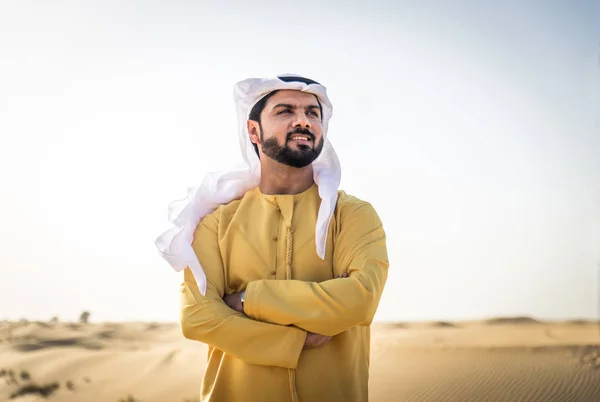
[[274, 238]]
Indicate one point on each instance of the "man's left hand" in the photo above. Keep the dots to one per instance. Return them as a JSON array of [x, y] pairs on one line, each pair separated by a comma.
[[234, 301]]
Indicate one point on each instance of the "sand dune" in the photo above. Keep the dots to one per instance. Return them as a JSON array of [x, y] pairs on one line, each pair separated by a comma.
[[511, 320], [500, 359]]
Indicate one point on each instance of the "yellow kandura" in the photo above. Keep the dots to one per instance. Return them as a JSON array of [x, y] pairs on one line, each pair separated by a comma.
[[265, 244]]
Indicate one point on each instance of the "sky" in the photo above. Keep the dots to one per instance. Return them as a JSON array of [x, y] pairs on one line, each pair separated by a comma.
[[473, 128]]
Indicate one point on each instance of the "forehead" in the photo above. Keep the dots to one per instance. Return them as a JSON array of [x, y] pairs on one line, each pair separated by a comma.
[[291, 97]]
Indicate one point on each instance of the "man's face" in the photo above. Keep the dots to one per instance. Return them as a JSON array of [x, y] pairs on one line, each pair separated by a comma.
[[290, 131]]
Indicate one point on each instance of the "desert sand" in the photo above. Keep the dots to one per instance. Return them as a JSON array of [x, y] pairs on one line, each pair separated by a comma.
[[504, 359]]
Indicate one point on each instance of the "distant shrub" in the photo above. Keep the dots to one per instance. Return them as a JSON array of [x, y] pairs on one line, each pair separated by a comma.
[[84, 317], [42, 390], [25, 376], [129, 399]]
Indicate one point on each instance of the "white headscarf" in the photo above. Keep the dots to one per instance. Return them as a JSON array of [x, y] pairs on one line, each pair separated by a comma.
[[175, 245]]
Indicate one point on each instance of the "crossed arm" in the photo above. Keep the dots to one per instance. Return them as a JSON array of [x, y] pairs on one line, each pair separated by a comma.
[[206, 318], [332, 306], [278, 313]]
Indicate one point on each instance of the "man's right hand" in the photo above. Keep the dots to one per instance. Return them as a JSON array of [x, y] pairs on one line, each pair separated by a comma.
[[315, 340]]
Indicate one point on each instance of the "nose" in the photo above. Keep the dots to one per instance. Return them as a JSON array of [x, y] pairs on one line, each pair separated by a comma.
[[301, 120]]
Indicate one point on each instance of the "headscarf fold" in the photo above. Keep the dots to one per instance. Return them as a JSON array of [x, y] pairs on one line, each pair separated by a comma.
[[175, 244]]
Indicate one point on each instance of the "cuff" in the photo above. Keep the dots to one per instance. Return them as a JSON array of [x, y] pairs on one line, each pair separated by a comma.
[[297, 338], [251, 300]]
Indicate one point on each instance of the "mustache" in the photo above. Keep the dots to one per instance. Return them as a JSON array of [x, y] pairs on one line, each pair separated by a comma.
[[302, 131]]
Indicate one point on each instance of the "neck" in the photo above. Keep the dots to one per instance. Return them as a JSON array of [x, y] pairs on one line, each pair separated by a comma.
[[277, 178]]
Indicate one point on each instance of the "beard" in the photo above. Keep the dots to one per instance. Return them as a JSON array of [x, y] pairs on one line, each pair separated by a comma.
[[298, 158]]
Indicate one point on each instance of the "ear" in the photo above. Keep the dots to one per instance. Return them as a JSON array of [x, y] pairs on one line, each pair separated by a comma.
[[254, 131]]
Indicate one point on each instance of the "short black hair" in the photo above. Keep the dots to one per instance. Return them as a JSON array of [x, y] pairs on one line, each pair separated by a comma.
[[260, 105]]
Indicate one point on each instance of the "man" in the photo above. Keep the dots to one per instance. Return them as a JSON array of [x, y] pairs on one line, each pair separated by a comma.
[[283, 272]]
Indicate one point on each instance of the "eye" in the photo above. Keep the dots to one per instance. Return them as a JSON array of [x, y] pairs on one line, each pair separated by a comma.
[[312, 112], [285, 111]]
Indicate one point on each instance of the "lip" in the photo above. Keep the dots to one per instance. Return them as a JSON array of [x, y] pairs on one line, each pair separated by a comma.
[[301, 142]]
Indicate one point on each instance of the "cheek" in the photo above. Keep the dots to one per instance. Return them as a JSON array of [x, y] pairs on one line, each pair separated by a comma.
[[277, 129], [317, 130]]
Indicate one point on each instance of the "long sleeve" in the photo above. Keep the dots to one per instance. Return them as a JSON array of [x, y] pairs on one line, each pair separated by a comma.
[[332, 306], [209, 320]]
